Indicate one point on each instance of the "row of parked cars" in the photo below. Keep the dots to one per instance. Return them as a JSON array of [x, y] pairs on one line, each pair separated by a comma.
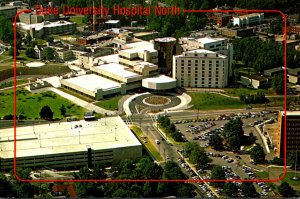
[[265, 188]]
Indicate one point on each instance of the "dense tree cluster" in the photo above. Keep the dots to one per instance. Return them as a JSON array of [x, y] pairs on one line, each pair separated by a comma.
[[233, 134], [230, 190], [196, 154], [254, 99], [216, 142], [6, 29], [278, 84], [257, 154], [286, 190], [145, 168], [248, 190], [12, 187], [169, 128]]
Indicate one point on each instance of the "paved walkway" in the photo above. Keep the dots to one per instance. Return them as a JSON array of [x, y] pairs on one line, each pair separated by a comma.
[[80, 102]]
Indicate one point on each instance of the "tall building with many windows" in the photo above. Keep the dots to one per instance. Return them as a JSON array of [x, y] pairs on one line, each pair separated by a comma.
[[292, 132], [201, 69]]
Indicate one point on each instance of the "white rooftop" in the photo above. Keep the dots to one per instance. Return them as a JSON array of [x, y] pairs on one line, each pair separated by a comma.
[[291, 113], [63, 137], [112, 21], [117, 69], [207, 40], [93, 82], [114, 58], [160, 79], [39, 26], [165, 39], [139, 47]]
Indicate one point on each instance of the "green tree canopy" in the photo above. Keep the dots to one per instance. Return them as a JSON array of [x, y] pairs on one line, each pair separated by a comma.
[[230, 190], [217, 173], [286, 190], [257, 153], [248, 190], [46, 113]]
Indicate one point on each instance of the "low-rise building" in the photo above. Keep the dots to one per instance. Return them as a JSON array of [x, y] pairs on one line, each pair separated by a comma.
[[248, 19], [237, 32], [220, 19], [294, 75], [274, 71], [45, 28], [99, 88], [69, 145], [255, 81], [112, 24]]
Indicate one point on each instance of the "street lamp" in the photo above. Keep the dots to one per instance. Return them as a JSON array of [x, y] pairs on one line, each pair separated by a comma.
[[295, 175], [116, 132]]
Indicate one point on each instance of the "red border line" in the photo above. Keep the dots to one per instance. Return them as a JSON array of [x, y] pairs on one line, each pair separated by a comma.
[[153, 180]]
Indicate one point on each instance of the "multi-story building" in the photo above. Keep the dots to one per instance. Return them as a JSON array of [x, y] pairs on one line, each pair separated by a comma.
[[33, 18], [166, 49], [201, 68], [219, 45], [292, 136], [248, 20], [8, 11], [293, 29], [221, 19], [39, 30]]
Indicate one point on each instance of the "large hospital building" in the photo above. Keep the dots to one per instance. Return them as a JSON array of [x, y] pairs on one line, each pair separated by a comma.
[[69, 144]]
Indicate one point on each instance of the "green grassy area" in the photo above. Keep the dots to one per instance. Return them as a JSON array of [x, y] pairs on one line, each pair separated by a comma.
[[212, 101], [85, 98], [262, 175], [109, 104], [48, 69], [30, 104], [77, 20], [149, 146], [236, 92], [41, 41], [289, 178], [169, 138], [11, 83]]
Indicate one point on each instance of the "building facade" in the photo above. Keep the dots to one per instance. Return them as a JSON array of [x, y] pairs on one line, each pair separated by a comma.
[[166, 49], [292, 133], [201, 69]]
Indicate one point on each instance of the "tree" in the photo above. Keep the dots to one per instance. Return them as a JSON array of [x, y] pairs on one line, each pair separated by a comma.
[[46, 113], [49, 53], [28, 38], [248, 190], [11, 51], [257, 153], [286, 190], [291, 159], [278, 84], [199, 157], [50, 39], [276, 26], [217, 173], [63, 110], [233, 134], [33, 43], [5, 187], [229, 24], [30, 52], [188, 147], [6, 29], [230, 190], [215, 141]]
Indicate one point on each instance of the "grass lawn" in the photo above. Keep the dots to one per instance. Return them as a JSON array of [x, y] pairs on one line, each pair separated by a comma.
[[262, 175], [109, 104], [149, 146], [289, 178], [212, 101], [236, 92], [11, 83], [77, 20], [30, 104], [169, 138]]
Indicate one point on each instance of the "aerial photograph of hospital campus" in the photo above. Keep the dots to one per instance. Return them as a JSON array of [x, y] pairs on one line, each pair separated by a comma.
[[149, 91]]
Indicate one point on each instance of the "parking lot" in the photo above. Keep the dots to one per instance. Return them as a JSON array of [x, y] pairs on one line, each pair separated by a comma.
[[200, 130]]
